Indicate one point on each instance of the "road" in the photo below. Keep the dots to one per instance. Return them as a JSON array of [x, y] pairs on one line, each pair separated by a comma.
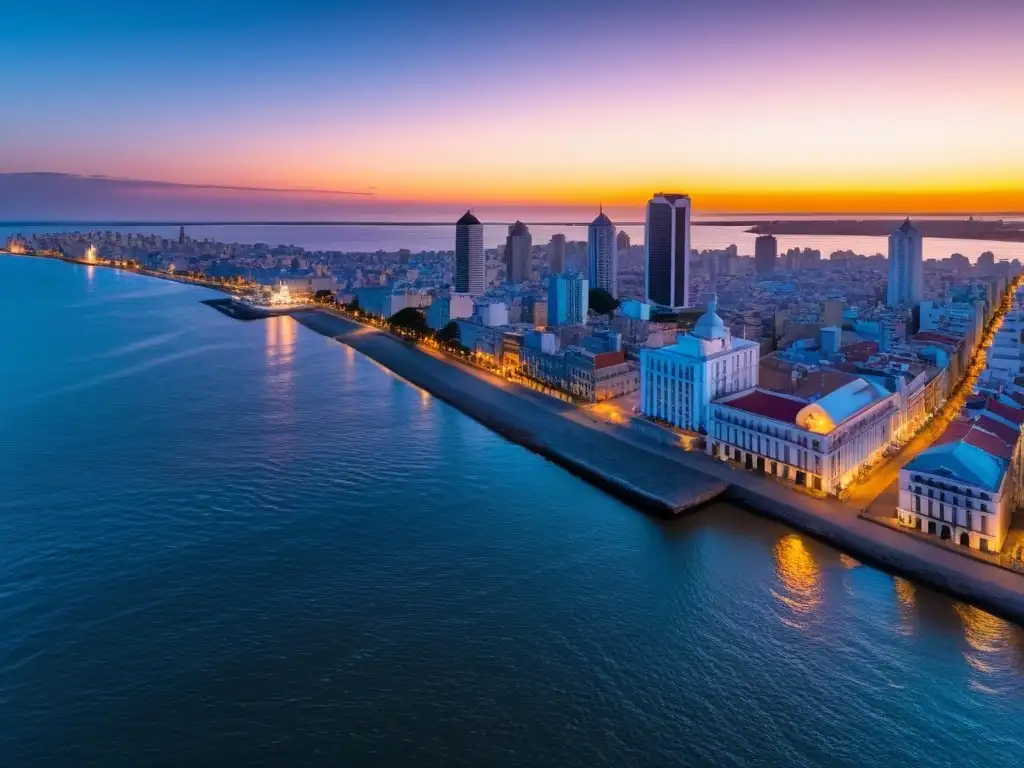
[[881, 486]]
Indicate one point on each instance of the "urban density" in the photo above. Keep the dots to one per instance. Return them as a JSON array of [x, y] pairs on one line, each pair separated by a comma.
[[825, 372]]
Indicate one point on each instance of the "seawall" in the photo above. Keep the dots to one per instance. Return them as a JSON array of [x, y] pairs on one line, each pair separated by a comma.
[[664, 480], [649, 482], [996, 590]]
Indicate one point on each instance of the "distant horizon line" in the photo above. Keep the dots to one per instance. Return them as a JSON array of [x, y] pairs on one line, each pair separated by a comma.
[[705, 220]]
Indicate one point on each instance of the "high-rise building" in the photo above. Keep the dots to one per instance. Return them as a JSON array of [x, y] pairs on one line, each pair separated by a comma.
[[603, 255], [906, 267], [518, 253], [766, 251], [469, 255], [556, 254], [567, 299], [181, 235], [987, 261], [667, 250], [622, 241]]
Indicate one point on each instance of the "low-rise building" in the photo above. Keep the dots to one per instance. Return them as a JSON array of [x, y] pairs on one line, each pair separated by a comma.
[[820, 445], [449, 307], [960, 490]]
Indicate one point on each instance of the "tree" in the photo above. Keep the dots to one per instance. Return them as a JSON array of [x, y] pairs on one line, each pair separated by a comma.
[[602, 302], [448, 334], [323, 295], [409, 319]]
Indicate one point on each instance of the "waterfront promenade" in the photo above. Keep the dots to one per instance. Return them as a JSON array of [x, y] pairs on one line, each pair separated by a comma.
[[657, 477], [531, 419]]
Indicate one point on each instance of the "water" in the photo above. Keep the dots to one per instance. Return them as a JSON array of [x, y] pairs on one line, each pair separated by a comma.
[[370, 238], [237, 543]]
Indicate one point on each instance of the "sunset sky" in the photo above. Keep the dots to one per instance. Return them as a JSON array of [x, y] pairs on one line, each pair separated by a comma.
[[748, 105]]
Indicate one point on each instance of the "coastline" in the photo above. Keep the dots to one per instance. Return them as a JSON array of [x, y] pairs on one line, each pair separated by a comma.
[[602, 454], [527, 418], [647, 474]]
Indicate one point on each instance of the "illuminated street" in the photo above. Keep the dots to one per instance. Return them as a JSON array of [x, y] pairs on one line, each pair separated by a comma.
[[879, 490]]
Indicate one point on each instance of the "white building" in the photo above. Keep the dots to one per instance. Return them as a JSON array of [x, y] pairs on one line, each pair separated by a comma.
[[820, 445], [491, 314], [679, 381], [469, 255], [603, 255], [960, 490], [906, 267], [444, 309], [667, 251]]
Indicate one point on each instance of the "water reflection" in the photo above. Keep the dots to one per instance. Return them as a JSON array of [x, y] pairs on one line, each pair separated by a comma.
[[280, 339], [800, 576], [281, 332], [906, 599], [993, 650]]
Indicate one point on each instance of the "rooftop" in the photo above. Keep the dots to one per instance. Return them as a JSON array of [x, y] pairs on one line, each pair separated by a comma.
[[467, 219], [961, 461], [770, 405], [974, 435]]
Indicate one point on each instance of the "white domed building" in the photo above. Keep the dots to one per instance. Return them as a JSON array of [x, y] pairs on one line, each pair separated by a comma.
[[679, 382]]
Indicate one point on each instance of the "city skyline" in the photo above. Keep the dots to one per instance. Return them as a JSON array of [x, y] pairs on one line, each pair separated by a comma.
[[798, 107]]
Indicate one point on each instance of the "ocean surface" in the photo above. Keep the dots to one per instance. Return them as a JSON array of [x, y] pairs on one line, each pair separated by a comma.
[[227, 543], [386, 237]]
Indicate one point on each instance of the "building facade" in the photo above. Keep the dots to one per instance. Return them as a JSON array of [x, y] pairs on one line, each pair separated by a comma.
[[518, 253], [568, 299], [556, 254], [820, 445], [959, 491], [667, 251], [906, 267], [603, 255], [679, 381], [766, 253], [469, 256]]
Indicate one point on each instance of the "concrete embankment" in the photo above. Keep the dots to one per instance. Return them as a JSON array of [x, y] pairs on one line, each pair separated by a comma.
[[665, 480], [647, 481], [996, 590]]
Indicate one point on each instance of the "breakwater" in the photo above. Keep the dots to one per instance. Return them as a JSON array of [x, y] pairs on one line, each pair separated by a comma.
[[652, 483], [665, 480]]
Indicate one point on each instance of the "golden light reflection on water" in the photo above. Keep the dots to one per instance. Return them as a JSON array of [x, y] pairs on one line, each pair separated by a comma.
[[848, 562], [280, 338], [993, 650], [800, 579], [906, 597], [90, 273]]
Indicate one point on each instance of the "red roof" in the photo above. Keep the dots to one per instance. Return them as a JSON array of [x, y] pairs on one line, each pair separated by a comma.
[[769, 405], [1008, 412], [1003, 432], [979, 438], [935, 338], [605, 359], [860, 351]]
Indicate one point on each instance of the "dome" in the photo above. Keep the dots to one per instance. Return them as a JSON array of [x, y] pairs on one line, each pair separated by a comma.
[[710, 325], [467, 220]]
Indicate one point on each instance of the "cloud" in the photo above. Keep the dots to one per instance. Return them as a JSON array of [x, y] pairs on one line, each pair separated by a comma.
[[72, 177]]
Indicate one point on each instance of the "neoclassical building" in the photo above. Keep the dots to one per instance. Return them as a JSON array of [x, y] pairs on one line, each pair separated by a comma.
[[820, 444], [678, 382]]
